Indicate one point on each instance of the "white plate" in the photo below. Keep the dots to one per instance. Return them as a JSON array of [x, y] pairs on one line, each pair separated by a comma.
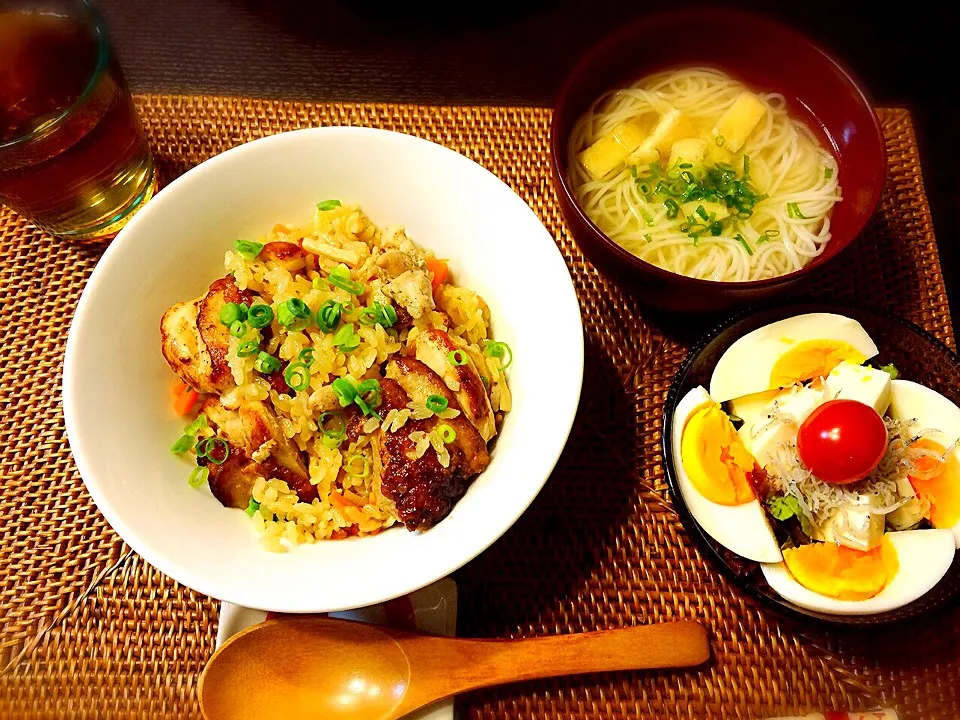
[[116, 385], [431, 610]]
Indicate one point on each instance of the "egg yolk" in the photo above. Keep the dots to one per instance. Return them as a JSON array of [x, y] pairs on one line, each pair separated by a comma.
[[715, 459], [841, 572], [942, 490], [810, 359]]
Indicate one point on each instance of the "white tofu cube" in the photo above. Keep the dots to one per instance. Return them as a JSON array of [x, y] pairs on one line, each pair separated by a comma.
[[764, 435], [864, 384], [854, 526]]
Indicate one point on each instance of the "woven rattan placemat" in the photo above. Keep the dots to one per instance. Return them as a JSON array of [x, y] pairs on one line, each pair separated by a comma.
[[89, 630]]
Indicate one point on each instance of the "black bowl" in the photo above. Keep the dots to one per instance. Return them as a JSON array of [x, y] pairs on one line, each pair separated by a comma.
[[917, 354]]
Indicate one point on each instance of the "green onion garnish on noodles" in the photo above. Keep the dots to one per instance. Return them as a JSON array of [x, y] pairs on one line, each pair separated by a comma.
[[648, 237], [447, 433], [437, 403], [719, 140], [672, 208], [685, 166], [306, 356], [266, 363], [793, 210], [182, 445], [297, 377], [197, 425], [232, 312], [344, 390], [198, 477], [340, 277], [293, 314], [773, 233], [746, 167], [633, 172], [357, 466], [743, 241], [238, 329], [499, 350], [247, 248], [702, 213], [326, 205], [260, 315], [248, 348], [716, 228], [328, 316], [346, 338], [457, 357], [827, 173], [252, 507]]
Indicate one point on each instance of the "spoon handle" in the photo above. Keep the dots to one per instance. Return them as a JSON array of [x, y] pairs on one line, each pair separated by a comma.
[[482, 663]]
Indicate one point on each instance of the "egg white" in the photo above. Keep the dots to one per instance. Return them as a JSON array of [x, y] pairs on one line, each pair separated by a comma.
[[930, 410], [742, 529], [924, 556], [746, 366]]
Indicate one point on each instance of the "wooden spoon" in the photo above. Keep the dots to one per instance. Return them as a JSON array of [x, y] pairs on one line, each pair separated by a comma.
[[323, 669]]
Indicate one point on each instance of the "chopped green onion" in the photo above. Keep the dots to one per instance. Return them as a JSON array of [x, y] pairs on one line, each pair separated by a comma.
[[252, 507], [648, 237], [891, 370], [238, 329], [368, 395], [198, 476], [306, 356], [378, 314], [207, 448], [293, 314], [197, 425], [326, 205], [719, 140], [685, 166], [297, 376], [266, 363], [644, 188], [328, 316], [716, 228], [762, 239], [702, 213], [743, 241], [247, 248], [339, 429], [320, 284], [773, 233], [633, 172], [331, 442], [232, 312], [260, 315], [793, 210], [346, 339], [340, 277], [351, 466], [672, 208], [746, 167], [457, 357], [827, 173], [437, 403], [344, 390], [182, 445], [499, 350], [447, 433], [248, 348]]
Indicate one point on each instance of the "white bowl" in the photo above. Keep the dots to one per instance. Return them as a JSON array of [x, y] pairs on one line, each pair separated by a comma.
[[116, 386]]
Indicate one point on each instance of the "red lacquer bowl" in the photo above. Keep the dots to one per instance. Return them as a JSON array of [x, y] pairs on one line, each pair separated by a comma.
[[767, 57]]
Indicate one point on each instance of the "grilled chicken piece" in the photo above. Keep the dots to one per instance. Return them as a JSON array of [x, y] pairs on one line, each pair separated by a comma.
[[395, 263], [422, 490], [195, 343], [433, 348], [289, 256], [258, 448]]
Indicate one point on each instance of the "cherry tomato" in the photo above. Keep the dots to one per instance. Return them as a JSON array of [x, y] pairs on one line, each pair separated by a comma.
[[842, 441]]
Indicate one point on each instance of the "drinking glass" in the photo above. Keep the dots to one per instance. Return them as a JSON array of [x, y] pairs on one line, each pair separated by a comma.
[[73, 157]]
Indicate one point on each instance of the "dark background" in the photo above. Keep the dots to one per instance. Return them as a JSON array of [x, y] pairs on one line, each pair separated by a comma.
[[503, 53]]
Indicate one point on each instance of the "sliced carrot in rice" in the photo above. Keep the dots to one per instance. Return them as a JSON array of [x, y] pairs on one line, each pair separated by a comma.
[[184, 398], [440, 272]]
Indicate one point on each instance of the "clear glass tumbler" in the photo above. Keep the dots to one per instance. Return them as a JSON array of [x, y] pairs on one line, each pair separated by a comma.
[[73, 157]]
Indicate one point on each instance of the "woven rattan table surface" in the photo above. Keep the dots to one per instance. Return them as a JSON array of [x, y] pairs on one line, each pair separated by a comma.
[[89, 630]]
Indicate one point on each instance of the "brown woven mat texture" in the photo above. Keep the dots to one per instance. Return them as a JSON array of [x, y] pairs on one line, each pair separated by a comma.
[[89, 630]]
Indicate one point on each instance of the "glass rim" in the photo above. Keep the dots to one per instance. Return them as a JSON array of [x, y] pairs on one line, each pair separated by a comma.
[[103, 53]]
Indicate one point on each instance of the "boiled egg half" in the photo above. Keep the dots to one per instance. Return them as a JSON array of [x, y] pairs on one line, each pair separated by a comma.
[[838, 580], [927, 410], [787, 352], [713, 471]]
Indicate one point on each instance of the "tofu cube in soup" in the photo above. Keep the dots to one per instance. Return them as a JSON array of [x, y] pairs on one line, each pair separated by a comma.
[[736, 124], [688, 150]]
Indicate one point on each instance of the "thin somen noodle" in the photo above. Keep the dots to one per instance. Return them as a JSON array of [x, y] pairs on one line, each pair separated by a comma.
[[790, 182]]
